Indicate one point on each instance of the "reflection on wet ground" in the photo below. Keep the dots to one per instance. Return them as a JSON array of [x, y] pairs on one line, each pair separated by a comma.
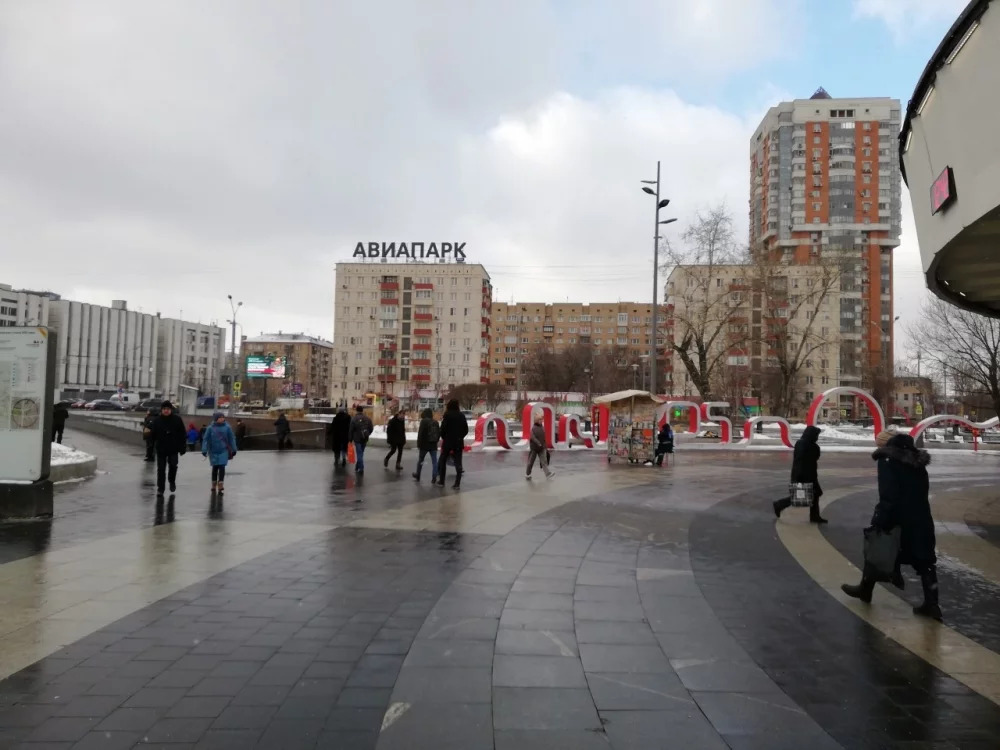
[[610, 608]]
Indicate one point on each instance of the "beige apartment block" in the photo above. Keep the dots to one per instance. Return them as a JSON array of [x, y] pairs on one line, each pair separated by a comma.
[[724, 305], [522, 328], [308, 368], [406, 327]]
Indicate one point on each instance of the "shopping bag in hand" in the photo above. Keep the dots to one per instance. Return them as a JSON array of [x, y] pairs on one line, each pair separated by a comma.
[[881, 551], [351, 455]]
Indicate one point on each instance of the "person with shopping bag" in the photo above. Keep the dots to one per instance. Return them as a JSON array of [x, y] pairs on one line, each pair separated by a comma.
[[904, 512], [805, 470]]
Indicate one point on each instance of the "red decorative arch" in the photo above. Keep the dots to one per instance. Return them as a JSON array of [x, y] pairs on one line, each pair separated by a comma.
[[569, 426], [503, 431], [783, 428], [877, 416], [725, 423], [922, 425], [549, 423], [693, 410], [600, 414]]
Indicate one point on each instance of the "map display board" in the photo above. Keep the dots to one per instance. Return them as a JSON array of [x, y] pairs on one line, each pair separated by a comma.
[[27, 375]]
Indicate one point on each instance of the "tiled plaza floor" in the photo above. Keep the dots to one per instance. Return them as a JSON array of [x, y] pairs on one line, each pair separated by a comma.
[[609, 607]]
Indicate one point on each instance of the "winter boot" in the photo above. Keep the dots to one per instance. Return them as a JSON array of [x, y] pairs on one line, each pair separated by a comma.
[[416, 474], [780, 505], [930, 607], [215, 486], [221, 488], [863, 590], [814, 516]]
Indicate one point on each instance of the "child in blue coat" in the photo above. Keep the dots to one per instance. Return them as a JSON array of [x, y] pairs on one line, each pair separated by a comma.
[[219, 444]]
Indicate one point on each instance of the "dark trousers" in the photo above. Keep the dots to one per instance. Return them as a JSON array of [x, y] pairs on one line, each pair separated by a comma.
[[57, 433], [218, 473], [339, 456], [282, 440], [434, 462], [456, 454], [149, 450], [396, 450], [166, 470]]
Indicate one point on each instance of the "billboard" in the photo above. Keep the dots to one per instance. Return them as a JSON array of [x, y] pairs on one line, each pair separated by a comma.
[[266, 366], [27, 375]]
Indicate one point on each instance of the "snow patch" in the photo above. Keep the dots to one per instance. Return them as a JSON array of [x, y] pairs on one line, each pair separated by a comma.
[[63, 455]]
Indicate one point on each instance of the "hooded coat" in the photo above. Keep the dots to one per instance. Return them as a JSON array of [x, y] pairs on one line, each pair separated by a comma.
[[395, 431], [805, 461], [904, 499], [219, 443], [454, 428], [339, 429], [429, 433]]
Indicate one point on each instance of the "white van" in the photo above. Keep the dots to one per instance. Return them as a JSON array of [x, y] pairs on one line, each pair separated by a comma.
[[128, 399]]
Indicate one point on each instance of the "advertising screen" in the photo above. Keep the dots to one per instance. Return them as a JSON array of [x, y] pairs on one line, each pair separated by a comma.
[[265, 367]]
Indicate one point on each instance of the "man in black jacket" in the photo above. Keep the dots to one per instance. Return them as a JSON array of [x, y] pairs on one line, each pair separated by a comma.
[[454, 428], [338, 431], [395, 438], [805, 470], [170, 437], [428, 435], [282, 429], [59, 416]]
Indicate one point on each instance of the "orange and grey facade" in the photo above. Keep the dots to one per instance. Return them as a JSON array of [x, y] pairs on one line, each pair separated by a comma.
[[825, 181], [401, 328]]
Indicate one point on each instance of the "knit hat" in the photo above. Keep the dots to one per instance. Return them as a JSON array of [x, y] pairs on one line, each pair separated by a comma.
[[216, 415], [166, 405]]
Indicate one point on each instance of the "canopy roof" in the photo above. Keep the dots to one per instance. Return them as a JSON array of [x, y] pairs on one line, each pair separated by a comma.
[[610, 398]]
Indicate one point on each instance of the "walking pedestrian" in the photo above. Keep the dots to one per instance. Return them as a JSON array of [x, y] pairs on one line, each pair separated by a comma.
[[338, 431], [805, 470], [219, 446], [664, 443], [171, 442], [361, 429], [395, 437], [537, 448], [904, 501], [454, 428], [241, 434], [59, 416], [428, 435], [282, 429], [147, 434], [194, 435]]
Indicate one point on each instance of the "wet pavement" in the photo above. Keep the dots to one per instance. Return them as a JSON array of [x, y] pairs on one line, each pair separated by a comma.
[[609, 607]]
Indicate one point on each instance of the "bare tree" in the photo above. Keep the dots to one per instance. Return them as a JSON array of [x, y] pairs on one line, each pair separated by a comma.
[[542, 370], [468, 395], [965, 344], [699, 291], [494, 394], [792, 299]]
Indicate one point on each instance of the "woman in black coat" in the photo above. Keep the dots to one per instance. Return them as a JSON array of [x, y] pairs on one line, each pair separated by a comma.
[[805, 470], [454, 428], [904, 501], [395, 438], [338, 430]]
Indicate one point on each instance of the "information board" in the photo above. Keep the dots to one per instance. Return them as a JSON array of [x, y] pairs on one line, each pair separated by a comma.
[[27, 375]]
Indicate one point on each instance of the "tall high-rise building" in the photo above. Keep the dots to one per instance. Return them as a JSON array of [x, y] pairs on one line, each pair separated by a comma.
[[411, 326], [825, 186]]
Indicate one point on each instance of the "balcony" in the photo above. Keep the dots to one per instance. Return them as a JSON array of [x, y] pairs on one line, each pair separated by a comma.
[[486, 321], [389, 286], [387, 363], [421, 347], [421, 378], [387, 346], [421, 363], [387, 377], [389, 301], [423, 317], [423, 332], [423, 286]]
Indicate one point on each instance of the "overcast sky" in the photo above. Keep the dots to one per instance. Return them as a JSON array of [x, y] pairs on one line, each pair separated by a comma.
[[171, 153]]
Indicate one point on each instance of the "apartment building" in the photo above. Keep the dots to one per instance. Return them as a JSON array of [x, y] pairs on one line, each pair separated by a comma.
[[825, 180], [403, 327], [191, 354], [753, 318], [522, 328], [913, 397], [308, 366]]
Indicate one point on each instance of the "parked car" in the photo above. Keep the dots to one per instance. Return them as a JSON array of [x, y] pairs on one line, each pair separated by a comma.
[[103, 404], [76, 403]]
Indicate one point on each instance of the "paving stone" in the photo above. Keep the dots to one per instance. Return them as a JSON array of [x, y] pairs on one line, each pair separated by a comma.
[[462, 727], [639, 692], [544, 739], [538, 671], [460, 628], [529, 619], [451, 653], [768, 715], [544, 708], [131, 719], [539, 642], [443, 685], [605, 657], [637, 633], [641, 730], [700, 675], [197, 708], [608, 612]]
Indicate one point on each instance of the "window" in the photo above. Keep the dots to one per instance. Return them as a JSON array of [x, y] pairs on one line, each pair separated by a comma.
[[817, 127], [816, 140], [867, 126]]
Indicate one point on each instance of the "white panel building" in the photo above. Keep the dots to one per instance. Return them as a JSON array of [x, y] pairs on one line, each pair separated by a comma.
[[103, 348], [190, 354], [23, 308]]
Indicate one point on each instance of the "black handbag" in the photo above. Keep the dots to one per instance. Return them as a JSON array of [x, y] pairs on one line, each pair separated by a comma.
[[880, 551]]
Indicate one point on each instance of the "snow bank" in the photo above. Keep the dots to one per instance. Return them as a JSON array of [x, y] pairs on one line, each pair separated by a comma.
[[63, 455], [69, 464]]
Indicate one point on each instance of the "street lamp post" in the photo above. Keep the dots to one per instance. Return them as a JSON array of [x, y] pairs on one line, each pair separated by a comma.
[[656, 268], [234, 306], [590, 383], [635, 372]]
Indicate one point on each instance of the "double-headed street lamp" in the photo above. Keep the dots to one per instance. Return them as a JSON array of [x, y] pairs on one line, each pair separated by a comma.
[[660, 203]]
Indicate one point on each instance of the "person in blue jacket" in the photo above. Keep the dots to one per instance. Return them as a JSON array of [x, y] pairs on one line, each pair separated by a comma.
[[219, 445]]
